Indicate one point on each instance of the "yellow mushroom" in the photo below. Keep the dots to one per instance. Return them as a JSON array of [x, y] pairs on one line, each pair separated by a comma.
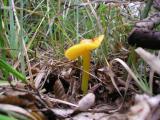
[[84, 49]]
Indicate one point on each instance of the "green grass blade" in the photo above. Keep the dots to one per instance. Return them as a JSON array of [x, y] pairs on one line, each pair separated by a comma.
[[1, 38], [22, 61], [12, 32], [7, 67], [4, 117]]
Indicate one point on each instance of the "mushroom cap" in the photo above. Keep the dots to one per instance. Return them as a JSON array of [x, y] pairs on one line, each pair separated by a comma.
[[84, 46]]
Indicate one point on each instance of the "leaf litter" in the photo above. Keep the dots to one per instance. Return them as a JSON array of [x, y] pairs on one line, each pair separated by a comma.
[[56, 92]]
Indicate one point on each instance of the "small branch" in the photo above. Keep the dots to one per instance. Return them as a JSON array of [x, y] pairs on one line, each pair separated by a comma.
[[150, 22], [156, 4], [142, 34], [144, 38]]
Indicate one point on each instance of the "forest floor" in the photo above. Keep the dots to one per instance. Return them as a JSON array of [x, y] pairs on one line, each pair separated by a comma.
[[56, 93]]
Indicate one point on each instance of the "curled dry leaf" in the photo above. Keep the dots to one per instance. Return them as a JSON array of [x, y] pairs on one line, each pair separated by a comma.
[[86, 102], [131, 73], [150, 59], [66, 73], [59, 90], [39, 77]]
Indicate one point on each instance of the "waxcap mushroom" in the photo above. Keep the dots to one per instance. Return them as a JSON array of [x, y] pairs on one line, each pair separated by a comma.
[[84, 46]]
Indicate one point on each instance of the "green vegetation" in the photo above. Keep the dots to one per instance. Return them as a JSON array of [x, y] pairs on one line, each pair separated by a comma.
[[6, 68], [4, 117]]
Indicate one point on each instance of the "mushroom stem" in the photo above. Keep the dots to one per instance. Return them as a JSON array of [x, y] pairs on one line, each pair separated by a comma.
[[85, 74]]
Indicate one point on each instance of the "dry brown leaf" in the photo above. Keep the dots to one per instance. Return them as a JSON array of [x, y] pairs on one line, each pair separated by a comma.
[[59, 90], [66, 73], [27, 101], [39, 77], [107, 71]]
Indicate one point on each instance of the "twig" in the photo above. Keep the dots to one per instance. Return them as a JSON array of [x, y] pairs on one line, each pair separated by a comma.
[[142, 34], [60, 101], [151, 75]]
